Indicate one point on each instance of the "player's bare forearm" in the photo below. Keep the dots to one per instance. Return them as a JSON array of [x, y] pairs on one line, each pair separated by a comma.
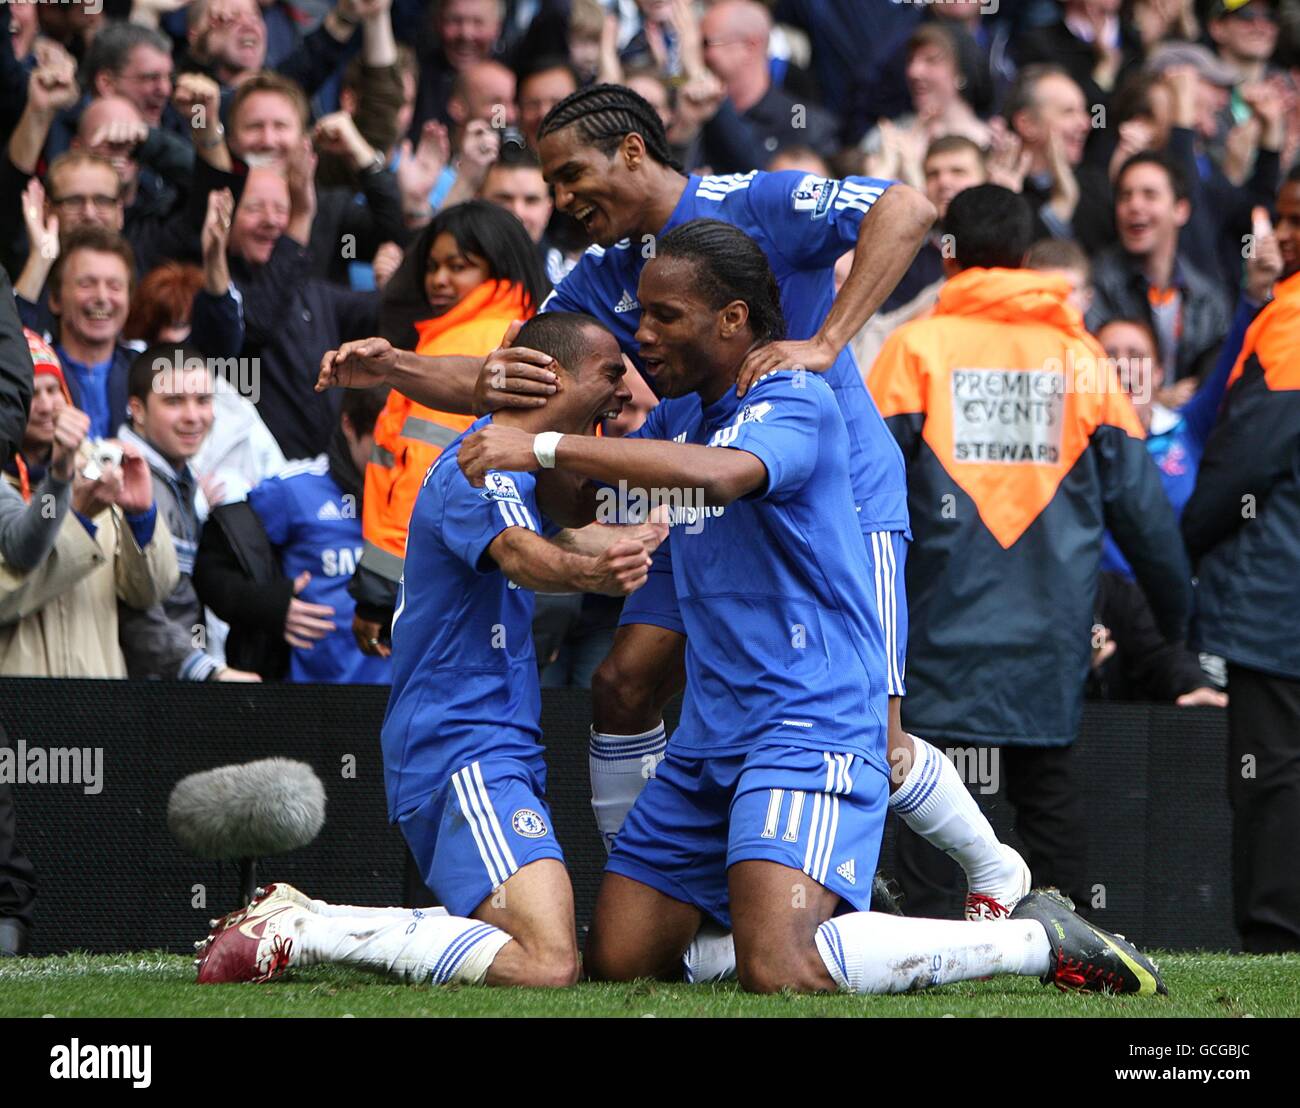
[[888, 240], [533, 562], [444, 383], [721, 474]]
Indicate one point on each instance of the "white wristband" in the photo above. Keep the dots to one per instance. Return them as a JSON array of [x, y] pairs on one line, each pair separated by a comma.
[[544, 448]]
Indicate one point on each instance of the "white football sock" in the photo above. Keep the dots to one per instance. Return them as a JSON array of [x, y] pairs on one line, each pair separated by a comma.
[[711, 955], [935, 803], [420, 948], [325, 908], [620, 765], [872, 952]]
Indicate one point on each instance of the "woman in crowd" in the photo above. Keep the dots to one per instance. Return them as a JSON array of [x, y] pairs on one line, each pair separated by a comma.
[[470, 274]]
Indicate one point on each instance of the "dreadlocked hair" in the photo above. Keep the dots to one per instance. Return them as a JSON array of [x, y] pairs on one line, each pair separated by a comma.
[[605, 115], [729, 265]]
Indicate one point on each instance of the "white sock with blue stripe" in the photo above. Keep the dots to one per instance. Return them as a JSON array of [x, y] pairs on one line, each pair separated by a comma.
[[873, 952], [417, 948], [620, 766], [935, 803], [711, 955]]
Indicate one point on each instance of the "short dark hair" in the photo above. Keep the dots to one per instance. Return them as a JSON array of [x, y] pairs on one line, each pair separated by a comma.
[[559, 334], [514, 156], [145, 369], [729, 265], [992, 227], [605, 115], [1174, 171], [111, 48], [531, 67], [362, 407], [98, 239]]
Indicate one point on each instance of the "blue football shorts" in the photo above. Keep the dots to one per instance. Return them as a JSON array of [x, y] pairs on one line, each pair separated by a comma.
[[820, 812], [485, 823], [655, 602]]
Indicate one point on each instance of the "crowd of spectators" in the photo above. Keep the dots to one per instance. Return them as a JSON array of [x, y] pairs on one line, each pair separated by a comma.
[[201, 198]]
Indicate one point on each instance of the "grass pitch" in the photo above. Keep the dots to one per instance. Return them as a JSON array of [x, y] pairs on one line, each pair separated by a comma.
[[158, 984]]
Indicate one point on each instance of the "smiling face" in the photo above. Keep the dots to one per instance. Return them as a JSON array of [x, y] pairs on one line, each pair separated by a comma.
[[1147, 214], [469, 29], [47, 401], [176, 415], [232, 35], [1058, 108], [599, 191], [681, 340], [145, 80], [93, 297], [596, 390], [261, 218], [266, 128], [452, 274], [931, 78]]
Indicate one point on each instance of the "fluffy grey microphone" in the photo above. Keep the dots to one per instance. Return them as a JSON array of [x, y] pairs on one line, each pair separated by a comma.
[[244, 812]]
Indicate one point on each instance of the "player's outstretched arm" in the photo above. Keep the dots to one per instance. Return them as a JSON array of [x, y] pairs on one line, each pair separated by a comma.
[[533, 562], [714, 477], [511, 377], [888, 239]]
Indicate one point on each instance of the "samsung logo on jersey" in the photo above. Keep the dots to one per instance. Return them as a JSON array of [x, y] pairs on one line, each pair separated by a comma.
[[340, 563]]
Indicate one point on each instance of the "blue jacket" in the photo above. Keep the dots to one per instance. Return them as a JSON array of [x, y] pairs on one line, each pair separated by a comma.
[[315, 525], [1242, 524]]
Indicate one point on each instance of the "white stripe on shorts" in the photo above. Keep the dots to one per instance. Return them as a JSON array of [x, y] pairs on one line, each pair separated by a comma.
[[493, 825], [490, 860]]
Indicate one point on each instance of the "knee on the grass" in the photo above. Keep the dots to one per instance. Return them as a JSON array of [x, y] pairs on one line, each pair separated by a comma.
[[767, 971], [604, 962], [547, 969]]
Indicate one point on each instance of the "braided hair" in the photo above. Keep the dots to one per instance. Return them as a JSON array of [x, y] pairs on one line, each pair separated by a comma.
[[729, 265], [605, 115]]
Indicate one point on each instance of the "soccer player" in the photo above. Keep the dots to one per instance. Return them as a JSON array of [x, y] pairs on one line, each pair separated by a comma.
[[768, 808], [605, 152], [462, 760]]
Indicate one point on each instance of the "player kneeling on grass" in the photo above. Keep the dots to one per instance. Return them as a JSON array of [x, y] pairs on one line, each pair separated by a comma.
[[462, 758], [766, 814]]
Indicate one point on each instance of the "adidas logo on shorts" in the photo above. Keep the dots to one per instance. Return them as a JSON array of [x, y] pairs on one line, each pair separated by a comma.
[[846, 870]]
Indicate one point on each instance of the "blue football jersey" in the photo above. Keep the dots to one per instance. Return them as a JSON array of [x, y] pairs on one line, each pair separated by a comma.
[[783, 643], [465, 681], [803, 224], [316, 527]]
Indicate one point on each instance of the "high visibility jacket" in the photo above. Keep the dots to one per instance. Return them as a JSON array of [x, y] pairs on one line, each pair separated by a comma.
[[1242, 524], [409, 437], [1021, 451]]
